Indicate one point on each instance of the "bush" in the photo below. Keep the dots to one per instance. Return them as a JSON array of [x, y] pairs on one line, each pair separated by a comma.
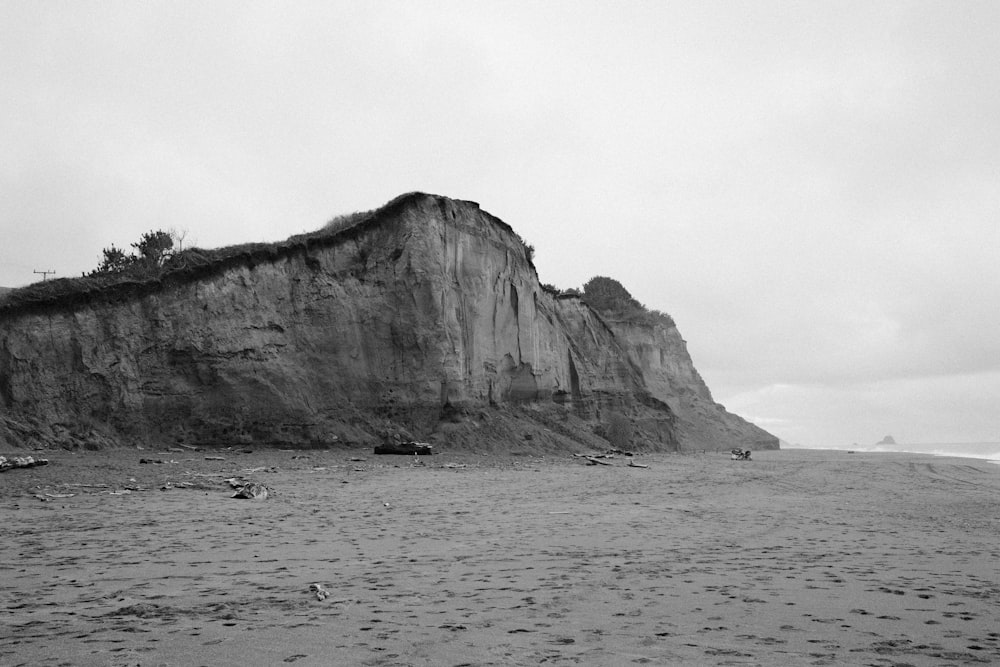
[[609, 295], [114, 260], [154, 249], [610, 298]]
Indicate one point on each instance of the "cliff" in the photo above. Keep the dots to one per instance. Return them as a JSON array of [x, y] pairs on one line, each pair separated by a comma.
[[424, 319], [670, 376]]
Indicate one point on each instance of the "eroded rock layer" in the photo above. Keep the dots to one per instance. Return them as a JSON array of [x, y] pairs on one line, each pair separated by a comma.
[[426, 320]]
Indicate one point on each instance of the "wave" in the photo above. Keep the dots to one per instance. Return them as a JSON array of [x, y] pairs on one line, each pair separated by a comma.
[[989, 451]]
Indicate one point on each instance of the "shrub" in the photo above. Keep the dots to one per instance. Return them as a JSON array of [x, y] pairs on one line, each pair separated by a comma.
[[610, 298], [114, 260], [154, 249]]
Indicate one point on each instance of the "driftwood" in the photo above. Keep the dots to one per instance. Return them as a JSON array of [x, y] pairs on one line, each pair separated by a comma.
[[593, 460], [406, 448], [596, 459], [610, 454], [20, 462]]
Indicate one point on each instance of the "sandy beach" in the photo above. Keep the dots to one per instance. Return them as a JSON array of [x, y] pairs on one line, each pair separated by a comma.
[[795, 558]]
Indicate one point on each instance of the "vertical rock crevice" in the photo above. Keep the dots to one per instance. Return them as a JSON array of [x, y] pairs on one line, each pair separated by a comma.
[[515, 308]]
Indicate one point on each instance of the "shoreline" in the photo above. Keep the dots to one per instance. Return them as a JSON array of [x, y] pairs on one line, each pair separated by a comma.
[[796, 557], [935, 453]]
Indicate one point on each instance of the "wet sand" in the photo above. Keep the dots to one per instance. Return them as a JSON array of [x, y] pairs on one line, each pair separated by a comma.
[[795, 558]]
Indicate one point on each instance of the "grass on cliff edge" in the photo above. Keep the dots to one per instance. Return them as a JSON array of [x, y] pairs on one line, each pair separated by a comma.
[[195, 263], [179, 267]]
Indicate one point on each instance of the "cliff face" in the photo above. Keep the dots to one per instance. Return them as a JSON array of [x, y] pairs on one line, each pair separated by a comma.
[[670, 376], [428, 321]]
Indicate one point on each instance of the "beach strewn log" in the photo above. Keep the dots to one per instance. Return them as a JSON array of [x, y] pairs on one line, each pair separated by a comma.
[[20, 462], [405, 448]]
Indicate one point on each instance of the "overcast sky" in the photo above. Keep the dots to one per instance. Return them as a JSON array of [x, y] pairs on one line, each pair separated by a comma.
[[811, 189]]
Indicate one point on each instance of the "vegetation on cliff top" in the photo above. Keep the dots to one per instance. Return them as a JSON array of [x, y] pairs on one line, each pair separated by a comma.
[[155, 248], [610, 298], [121, 274], [157, 263], [612, 301]]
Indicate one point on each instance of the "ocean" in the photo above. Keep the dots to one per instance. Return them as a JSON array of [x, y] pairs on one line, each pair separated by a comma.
[[989, 451]]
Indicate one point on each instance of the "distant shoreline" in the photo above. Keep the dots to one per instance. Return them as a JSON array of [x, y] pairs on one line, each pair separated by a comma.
[[985, 451]]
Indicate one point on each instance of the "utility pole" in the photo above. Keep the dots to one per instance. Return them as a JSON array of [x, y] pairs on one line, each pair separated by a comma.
[[45, 274]]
